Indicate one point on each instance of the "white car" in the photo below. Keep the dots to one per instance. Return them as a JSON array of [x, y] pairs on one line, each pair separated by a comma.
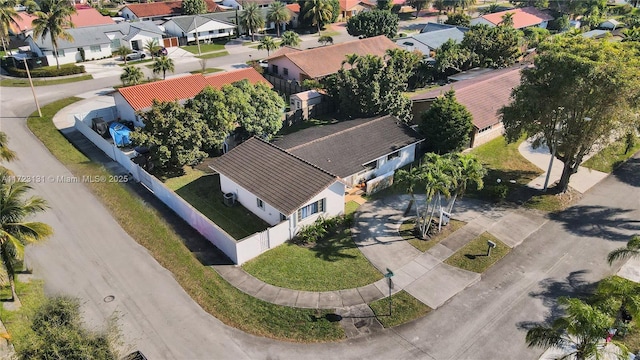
[[135, 55]]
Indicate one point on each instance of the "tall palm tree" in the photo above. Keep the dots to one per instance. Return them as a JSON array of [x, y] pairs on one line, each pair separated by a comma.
[[122, 51], [278, 14], [438, 181], [15, 231], [507, 19], [162, 65], [467, 170], [319, 12], [631, 250], [581, 330], [251, 19], [290, 38], [6, 154], [267, 43], [152, 46], [52, 20], [620, 296], [131, 75], [8, 17]]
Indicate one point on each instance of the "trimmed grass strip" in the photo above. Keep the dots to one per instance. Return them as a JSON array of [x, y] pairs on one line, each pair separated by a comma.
[[407, 232], [204, 48], [473, 256], [612, 156], [206, 71], [404, 308], [20, 82], [213, 55]]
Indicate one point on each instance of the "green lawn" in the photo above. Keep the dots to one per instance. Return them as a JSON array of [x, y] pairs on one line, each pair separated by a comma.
[[203, 284], [18, 322], [137, 62], [204, 48], [407, 233], [213, 55], [404, 308], [612, 156], [335, 263], [473, 256], [286, 130], [20, 82], [552, 200], [331, 33], [206, 71], [351, 207]]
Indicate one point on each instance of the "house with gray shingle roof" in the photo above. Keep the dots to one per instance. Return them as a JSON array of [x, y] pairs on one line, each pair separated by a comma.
[[432, 37], [186, 27], [96, 42]]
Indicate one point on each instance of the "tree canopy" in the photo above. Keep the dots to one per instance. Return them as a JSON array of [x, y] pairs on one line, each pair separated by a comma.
[[497, 46], [446, 125], [257, 107], [318, 12], [212, 105], [251, 19], [373, 23], [193, 7], [290, 38], [52, 20], [458, 19], [579, 92], [278, 14]]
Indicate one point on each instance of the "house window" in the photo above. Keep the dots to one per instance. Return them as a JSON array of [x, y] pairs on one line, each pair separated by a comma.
[[485, 129], [285, 71], [260, 203], [393, 155], [95, 48], [60, 53], [313, 208], [274, 69], [372, 165], [115, 43], [211, 32], [222, 31]]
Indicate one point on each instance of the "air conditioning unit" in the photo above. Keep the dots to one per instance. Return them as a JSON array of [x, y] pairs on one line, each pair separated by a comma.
[[229, 199]]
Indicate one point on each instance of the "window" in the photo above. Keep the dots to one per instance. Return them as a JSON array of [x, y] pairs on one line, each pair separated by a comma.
[[313, 208], [60, 53], [115, 43], [260, 203], [393, 155], [222, 31], [485, 129], [372, 165], [95, 48], [274, 69], [211, 32], [285, 71]]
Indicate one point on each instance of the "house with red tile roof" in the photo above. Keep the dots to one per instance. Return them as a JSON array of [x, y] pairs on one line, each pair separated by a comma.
[[483, 96], [160, 10], [84, 16], [298, 65], [522, 18], [349, 8], [132, 99]]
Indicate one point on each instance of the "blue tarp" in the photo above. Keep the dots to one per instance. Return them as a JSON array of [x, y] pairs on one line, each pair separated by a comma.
[[120, 134]]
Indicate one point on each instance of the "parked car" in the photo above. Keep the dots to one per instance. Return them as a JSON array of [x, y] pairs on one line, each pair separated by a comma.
[[136, 55], [162, 52]]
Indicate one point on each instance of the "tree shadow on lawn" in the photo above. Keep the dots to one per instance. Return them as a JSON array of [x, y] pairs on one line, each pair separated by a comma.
[[332, 248], [629, 172], [597, 221], [518, 193]]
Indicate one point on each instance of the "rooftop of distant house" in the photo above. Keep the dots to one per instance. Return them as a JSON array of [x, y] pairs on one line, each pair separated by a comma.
[[84, 16], [165, 8], [522, 17]]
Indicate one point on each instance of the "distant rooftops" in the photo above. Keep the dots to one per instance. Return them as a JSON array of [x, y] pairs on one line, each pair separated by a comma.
[[165, 8], [522, 17]]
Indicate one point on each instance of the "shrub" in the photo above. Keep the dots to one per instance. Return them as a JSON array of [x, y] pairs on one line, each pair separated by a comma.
[[49, 71], [499, 192], [320, 229]]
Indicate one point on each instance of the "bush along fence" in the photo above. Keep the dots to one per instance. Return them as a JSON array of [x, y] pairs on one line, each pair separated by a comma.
[[239, 251]]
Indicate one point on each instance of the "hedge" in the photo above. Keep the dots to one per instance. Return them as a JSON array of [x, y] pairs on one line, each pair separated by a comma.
[[49, 71]]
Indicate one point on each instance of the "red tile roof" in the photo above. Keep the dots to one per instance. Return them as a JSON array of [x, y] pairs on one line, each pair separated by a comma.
[[482, 96], [294, 7], [182, 88], [346, 5], [169, 8], [522, 17], [82, 18]]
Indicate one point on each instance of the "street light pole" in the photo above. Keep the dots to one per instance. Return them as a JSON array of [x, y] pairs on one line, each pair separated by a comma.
[[33, 91]]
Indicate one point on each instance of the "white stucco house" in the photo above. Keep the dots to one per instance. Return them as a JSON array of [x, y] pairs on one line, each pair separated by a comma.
[[278, 186], [206, 28], [240, 4], [96, 42]]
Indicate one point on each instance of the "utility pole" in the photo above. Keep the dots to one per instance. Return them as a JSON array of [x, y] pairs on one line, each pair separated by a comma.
[[33, 91], [195, 24]]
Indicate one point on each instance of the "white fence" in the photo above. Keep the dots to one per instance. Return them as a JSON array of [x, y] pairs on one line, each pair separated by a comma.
[[238, 251]]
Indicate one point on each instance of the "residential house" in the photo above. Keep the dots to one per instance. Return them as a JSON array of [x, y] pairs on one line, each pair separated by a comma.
[[132, 99], [355, 150], [349, 8], [610, 24], [483, 96], [431, 38], [304, 99], [240, 4], [154, 11], [186, 27], [522, 18], [84, 16], [233, 17], [278, 186], [298, 65], [294, 9], [96, 42]]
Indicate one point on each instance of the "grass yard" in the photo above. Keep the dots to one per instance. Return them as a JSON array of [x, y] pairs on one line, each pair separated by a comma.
[[612, 156], [213, 55], [147, 226], [351, 207], [204, 48], [18, 322], [331, 33], [137, 62], [552, 200], [206, 71], [20, 82], [286, 130], [473, 256], [407, 232], [404, 308], [335, 263]]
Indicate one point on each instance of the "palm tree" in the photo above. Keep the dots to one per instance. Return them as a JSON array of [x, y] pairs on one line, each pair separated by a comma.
[[52, 19], [131, 75], [467, 169], [620, 296], [251, 19], [8, 16], [152, 46], [325, 39], [15, 232], [278, 14], [507, 19], [123, 51], [162, 65], [267, 43], [6, 154], [290, 38], [580, 331], [319, 12], [632, 250]]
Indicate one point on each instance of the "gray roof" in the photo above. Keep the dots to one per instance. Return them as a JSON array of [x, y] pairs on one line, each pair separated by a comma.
[[427, 41], [187, 24], [96, 35], [277, 177], [343, 148], [431, 26], [230, 16], [594, 33]]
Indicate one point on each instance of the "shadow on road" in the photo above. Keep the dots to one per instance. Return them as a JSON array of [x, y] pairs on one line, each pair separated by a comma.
[[597, 221], [628, 173]]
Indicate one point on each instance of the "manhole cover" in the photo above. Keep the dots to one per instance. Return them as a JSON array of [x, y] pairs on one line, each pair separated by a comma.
[[109, 298], [360, 324]]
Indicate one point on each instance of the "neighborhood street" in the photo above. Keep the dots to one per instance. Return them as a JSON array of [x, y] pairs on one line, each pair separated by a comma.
[[91, 257]]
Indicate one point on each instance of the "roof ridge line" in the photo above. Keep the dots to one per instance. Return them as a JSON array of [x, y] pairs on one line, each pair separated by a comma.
[[297, 157]]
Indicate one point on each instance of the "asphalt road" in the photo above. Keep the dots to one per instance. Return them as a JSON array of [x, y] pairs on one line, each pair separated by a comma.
[[90, 256]]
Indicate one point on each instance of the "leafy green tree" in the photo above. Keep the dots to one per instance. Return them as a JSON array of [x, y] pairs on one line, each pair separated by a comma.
[[193, 7], [419, 5], [319, 12], [57, 332], [15, 231], [212, 106], [384, 5], [631, 34], [458, 19], [278, 14], [535, 35], [493, 46], [258, 108], [620, 298], [631, 250], [6, 154], [122, 51], [540, 4], [579, 91], [162, 65], [580, 331], [493, 8], [267, 43], [175, 134], [8, 16], [452, 56], [290, 38], [51, 20], [152, 46], [251, 19], [131, 75], [447, 125], [325, 39], [335, 10], [373, 23]]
